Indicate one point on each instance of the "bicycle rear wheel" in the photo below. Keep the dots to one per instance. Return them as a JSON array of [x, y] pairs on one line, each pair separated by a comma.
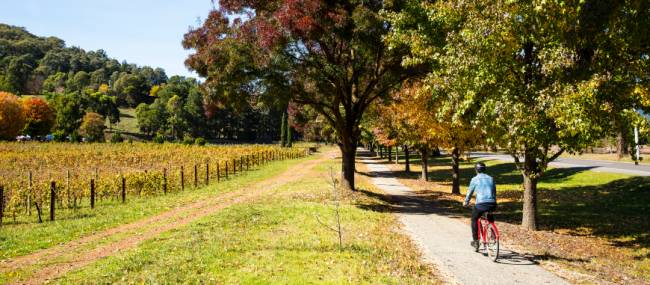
[[492, 243]]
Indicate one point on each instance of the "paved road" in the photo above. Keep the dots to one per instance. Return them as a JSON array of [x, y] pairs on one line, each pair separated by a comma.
[[593, 165], [445, 241]]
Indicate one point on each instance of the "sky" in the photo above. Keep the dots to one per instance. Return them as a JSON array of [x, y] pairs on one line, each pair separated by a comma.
[[144, 32]]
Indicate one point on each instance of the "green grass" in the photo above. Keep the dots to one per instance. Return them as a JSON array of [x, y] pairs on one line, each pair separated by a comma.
[[27, 236], [128, 121], [273, 240]]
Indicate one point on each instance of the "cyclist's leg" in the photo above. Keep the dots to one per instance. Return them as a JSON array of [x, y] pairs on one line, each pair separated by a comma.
[[476, 214]]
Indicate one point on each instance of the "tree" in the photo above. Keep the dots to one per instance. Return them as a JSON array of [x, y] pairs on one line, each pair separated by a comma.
[[78, 82], [99, 102], [12, 118], [69, 112], [39, 117], [131, 89], [525, 72], [175, 111], [329, 55], [92, 127]]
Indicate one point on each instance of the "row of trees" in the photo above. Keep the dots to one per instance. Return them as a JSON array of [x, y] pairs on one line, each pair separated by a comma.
[[538, 78], [178, 110], [34, 65]]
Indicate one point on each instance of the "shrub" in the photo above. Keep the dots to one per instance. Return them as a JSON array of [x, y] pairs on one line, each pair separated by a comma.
[[200, 141], [116, 138], [75, 137], [159, 138], [59, 136], [187, 140]]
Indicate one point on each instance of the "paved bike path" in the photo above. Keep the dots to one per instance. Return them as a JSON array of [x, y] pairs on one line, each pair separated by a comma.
[[590, 164], [445, 241]]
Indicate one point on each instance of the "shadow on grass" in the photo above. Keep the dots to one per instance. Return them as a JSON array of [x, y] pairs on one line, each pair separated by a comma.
[[616, 210]]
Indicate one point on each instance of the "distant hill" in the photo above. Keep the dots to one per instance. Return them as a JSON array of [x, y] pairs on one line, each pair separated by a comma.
[[30, 64]]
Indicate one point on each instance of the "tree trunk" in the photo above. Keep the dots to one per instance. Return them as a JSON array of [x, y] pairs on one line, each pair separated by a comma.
[[381, 151], [455, 171], [436, 152], [390, 154], [529, 215], [396, 154], [407, 163], [283, 128], [424, 152], [348, 151], [621, 148]]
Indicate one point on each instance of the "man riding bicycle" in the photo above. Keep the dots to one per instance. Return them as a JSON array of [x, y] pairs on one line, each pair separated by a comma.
[[486, 198]]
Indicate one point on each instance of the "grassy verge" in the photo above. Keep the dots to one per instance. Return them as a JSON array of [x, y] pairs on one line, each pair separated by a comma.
[[275, 239], [592, 223], [27, 236]]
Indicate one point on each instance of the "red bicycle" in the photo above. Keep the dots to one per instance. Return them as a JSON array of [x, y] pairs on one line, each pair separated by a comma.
[[488, 235]]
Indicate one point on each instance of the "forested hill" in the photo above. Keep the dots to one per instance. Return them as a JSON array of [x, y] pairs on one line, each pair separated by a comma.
[[30, 64]]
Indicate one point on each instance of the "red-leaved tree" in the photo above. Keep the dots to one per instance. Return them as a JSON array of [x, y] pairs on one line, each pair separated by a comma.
[[39, 117], [329, 55]]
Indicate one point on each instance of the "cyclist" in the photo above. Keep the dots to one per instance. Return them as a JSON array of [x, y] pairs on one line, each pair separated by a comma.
[[486, 198]]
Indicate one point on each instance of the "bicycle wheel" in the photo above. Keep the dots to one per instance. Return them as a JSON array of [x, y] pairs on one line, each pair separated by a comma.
[[492, 243]]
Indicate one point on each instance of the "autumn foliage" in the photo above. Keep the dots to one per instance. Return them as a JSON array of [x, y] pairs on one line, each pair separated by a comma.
[[39, 117], [92, 127], [12, 119]]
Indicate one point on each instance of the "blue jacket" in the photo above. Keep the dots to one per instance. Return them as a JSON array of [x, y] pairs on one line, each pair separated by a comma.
[[483, 185]]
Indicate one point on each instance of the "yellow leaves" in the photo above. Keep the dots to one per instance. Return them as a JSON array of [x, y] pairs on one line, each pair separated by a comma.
[[103, 88], [643, 95], [154, 91]]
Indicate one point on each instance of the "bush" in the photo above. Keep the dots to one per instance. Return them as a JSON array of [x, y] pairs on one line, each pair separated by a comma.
[[75, 137], [188, 140], [130, 140], [159, 138], [116, 138], [59, 136], [200, 141]]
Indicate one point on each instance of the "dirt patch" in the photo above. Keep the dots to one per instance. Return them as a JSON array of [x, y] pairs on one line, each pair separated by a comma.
[[168, 220]]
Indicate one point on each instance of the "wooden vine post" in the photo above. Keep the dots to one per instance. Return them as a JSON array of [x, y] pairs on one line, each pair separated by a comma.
[[123, 189], [92, 193], [52, 199], [182, 178], [207, 173], [29, 193], [2, 203], [164, 181], [196, 176], [226, 169]]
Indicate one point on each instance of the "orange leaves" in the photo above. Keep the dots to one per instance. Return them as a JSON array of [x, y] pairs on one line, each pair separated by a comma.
[[12, 118], [39, 117]]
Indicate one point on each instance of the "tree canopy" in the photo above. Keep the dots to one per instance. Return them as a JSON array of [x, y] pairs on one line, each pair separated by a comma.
[[329, 55]]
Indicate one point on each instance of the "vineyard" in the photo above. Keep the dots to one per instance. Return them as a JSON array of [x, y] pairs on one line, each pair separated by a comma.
[[43, 179]]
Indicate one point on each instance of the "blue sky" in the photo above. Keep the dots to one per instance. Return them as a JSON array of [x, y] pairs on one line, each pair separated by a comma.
[[145, 32]]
